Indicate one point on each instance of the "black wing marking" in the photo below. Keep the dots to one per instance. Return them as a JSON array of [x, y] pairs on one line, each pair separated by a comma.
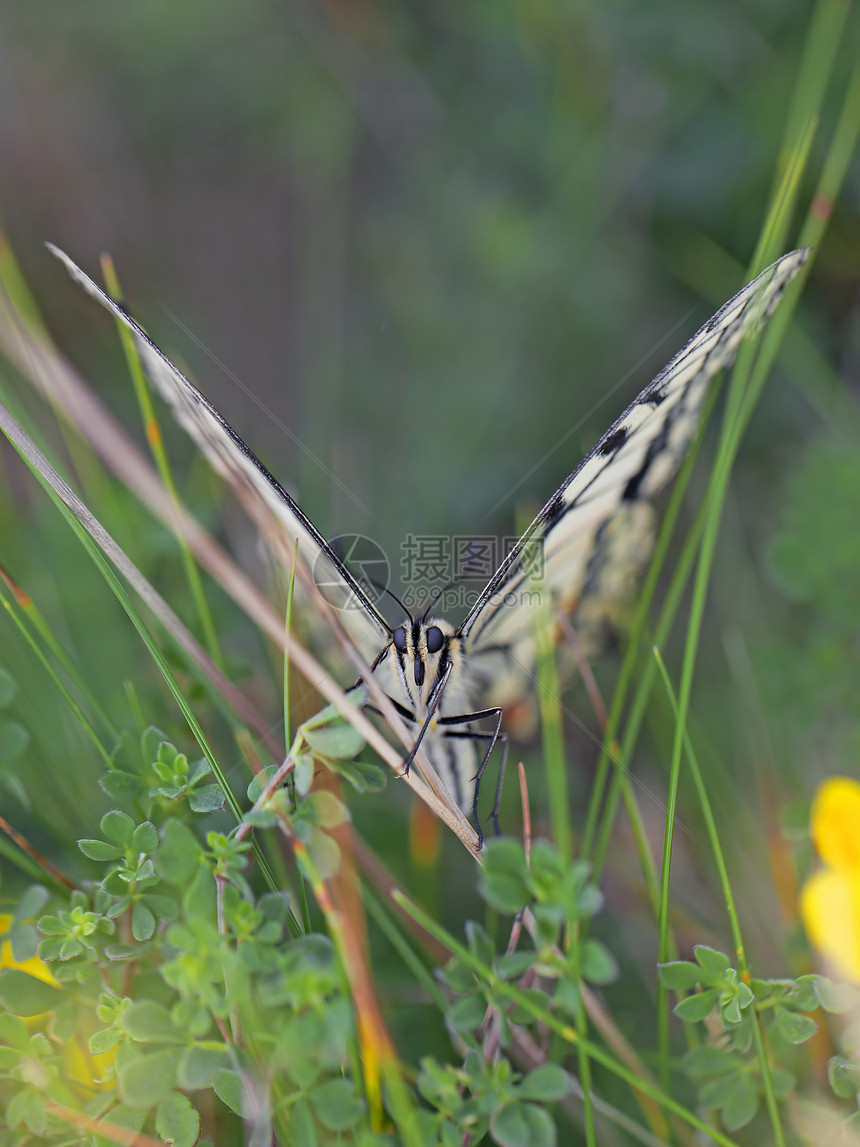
[[634, 459], [260, 491]]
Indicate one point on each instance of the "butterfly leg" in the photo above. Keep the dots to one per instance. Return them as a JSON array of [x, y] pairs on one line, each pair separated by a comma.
[[467, 719], [505, 743], [432, 706]]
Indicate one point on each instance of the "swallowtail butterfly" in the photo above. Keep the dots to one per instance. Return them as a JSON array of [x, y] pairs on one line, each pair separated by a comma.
[[593, 527]]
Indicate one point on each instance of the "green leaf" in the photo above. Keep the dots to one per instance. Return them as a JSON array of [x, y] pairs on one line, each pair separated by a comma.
[[151, 742], [336, 1105], [741, 1105], [163, 907], [480, 944], [27, 1106], [708, 1060], [324, 809], [680, 975], [782, 1080], [129, 1118], [8, 688], [324, 853], [804, 998], [514, 964], [99, 850], [14, 1031], [24, 995], [467, 1014], [209, 798], [64, 1021], [118, 827], [24, 940], [31, 902], [730, 1012], [144, 838], [792, 1026], [121, 786], [340, 741], [178, 859], [522, 1125], [144, 1080], [546, 1084], [698, 1007], [104, 1041], [199, 1066], [176, 1121], [142, 922], [719, 1090], [230, 1090], [502, 880], [836, 998], [304, 773], [844, 1076], [363, 776], [14, 739], [458, 976], [714, 964], [147, 1021], [303, 1132], [597, 964]]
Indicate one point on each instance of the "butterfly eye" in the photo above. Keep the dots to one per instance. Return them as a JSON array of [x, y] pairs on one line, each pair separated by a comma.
[[434, 639], [400, 638]]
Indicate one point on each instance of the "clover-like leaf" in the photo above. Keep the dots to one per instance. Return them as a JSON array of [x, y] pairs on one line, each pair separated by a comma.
[[714, 964], [546, 1084], [503, 876], [697, 1007], [680, 975], [336, 1105], [118, 827], [597, 964], [177, 1121], [522, 1125], [742, 1103], [100, 850], [25, 995], [843, 1074], [467, 1014], [792, 1026], [340, 741]]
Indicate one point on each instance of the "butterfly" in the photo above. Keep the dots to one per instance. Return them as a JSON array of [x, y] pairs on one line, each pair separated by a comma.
[[584, 541]]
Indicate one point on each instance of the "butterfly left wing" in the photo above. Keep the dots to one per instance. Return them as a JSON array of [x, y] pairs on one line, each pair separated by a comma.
[[597, 525], [279, 517]]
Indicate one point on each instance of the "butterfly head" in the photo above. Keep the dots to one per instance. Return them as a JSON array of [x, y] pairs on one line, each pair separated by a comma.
[[423, 649]]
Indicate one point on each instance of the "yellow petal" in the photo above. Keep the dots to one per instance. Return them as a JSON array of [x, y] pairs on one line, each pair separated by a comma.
[[836, 823], [830, 907], [34, 966]]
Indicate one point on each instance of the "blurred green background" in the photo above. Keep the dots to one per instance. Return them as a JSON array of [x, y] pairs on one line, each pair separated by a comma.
[[431, 239]]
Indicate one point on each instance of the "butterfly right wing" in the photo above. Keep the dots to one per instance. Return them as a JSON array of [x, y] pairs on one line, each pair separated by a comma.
[[279, 517], [581, 537]]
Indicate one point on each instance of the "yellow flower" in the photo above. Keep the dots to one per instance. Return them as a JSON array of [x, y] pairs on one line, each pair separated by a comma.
[[81, 1065], [830, 899], [34, 966]]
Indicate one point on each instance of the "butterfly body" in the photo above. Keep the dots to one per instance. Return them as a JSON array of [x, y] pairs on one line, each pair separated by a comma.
[[425, 670], [579, 556]]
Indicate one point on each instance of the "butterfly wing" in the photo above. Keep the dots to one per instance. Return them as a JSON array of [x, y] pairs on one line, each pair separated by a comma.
[[281, 520], [596, 528]]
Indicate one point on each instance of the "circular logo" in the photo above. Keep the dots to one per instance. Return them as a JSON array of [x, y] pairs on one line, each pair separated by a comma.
[[366, 561]]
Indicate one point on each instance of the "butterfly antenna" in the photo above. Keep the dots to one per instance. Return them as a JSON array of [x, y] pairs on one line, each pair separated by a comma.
[[436, 597], [384, 589]]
